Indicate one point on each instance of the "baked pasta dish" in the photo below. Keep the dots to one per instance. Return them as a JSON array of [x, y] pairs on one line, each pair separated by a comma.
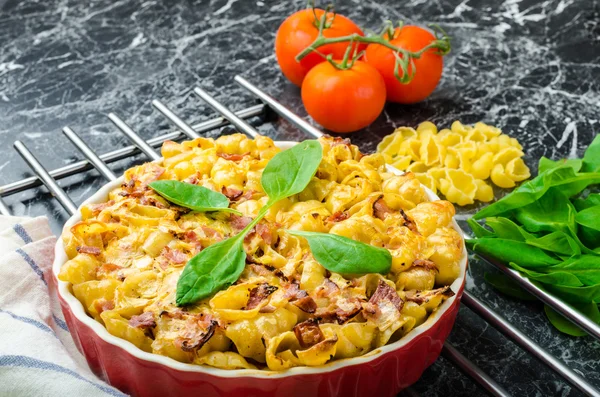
[[285, 309]]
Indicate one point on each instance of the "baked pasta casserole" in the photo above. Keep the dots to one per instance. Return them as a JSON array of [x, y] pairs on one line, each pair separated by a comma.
[[285, 310]]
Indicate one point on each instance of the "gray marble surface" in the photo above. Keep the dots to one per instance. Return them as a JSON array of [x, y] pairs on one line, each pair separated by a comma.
[[530, 67]]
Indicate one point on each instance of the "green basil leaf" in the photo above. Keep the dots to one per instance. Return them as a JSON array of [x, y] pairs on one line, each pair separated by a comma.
[[194, 197], [562, 178], [586, 268], [507, 286], [553, 211], [589, 309], [575, 294], [343, 255], [214, 268], [288, 172], [590, 201], [545, 164], [555, 277], [507, 229], [558, 242], [479, 230], [589, 217], [591, 158], [512, 251]]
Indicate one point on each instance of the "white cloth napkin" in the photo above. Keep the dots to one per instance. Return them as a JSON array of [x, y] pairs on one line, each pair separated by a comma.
[[37, 355]]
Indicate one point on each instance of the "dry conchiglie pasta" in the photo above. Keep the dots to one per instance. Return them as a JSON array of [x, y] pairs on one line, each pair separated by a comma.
[[461, 162]]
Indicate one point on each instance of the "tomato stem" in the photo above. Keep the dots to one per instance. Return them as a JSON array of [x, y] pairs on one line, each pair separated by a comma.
[[404, 58]]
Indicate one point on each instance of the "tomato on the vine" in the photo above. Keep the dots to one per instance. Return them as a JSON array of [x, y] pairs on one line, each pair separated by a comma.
[[343, 100], [298, 32], [427, 71]]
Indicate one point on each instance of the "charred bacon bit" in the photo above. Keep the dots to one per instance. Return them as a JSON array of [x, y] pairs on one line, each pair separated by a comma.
[[427, 264], [386, 293], [338, 217], [145, 200], [308, 333], [97, 208], [420, 297], [176, 314], [300, 298], [262, 230], [106, 269], [194, 338], [212, 233], [84, 249], [381, 210], [258, 294], [409, 223], [174, 256], [306, 304], [102, 305], [344, 310], [340, 141], [328, 289], [232, 193], [239, 222], [143, 321], [267, 309], [232, 157]]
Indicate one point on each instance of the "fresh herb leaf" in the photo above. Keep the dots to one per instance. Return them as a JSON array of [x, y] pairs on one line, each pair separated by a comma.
[[507, 229], [554, 277], [507, 286], [575, 294], [589, 226], [546, 164], [562, 178], [585, 267], [343, 255], [553, 211], [558, 242], [290, 171], [512, 251], [479, 230], [563, 325], [590, 201], [194, 197], [591, 158], [214, 268]]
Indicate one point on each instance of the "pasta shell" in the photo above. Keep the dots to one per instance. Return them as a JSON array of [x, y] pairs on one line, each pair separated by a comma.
[[499, 177]]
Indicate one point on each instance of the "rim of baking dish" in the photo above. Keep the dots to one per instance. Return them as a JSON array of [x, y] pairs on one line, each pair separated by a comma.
[[78, 310]]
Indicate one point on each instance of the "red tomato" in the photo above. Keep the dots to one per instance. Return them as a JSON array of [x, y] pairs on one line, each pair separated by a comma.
[[343, 100], [428, 67], [299, 30]]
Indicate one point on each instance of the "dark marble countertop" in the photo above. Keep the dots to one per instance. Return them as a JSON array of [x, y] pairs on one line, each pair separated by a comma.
[[530, 67]]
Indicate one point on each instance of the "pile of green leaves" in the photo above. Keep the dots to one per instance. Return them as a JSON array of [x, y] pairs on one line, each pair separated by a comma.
[[221, 264], [549, 230]]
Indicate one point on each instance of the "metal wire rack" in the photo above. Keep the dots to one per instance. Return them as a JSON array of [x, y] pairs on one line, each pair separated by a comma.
[[238, 120]]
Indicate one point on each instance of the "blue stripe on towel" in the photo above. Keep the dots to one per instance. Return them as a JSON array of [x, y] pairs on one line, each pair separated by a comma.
[[31, 263], [30, 321], [60, 323], [28, 362], [20, 230]]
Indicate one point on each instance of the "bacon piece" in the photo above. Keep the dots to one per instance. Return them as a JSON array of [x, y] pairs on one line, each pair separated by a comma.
[[145, 200], [409, 223], [212, 233], [300, 298], [338, 217], [267, 309], [328, 289], [381, 210], [85, 249], [340, 141], [174, 255], [97, 208], [176, 314], [427, 264], [106, 268], [343, 311], [262, 230], [248, 194], [143, 321], [258, 294], [102, 305], [239, 222], [386, 293], [421, 297], [197, 333], [231, 192], [308, 333], [232, 157]]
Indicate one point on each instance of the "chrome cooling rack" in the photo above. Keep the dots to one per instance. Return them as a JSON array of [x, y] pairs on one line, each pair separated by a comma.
[[238, 120]]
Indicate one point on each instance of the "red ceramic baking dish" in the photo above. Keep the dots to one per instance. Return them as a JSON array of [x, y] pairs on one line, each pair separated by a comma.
[[382, 372]]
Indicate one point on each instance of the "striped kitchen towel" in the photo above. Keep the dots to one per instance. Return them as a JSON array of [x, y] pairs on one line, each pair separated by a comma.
[[37, 355]]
